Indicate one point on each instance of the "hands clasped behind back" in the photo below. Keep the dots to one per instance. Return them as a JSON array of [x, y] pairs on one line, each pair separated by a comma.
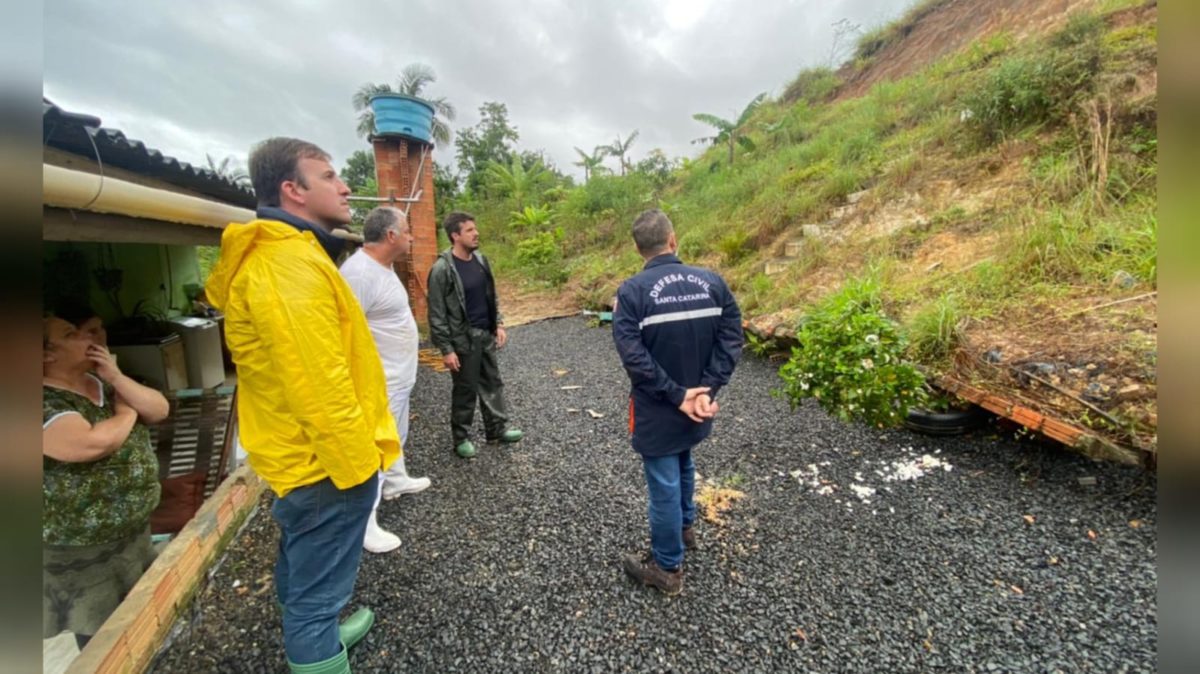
[[698, 405]]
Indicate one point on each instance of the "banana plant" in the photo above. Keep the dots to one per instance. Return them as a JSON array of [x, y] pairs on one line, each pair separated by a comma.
[[515, 180], [730, 133], [531, 217]]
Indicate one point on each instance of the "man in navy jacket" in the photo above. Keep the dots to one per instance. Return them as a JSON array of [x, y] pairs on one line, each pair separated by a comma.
[[678, 331]]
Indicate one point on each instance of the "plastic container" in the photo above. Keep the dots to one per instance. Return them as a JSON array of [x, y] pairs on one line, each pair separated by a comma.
[[202, 348], [401, 115]]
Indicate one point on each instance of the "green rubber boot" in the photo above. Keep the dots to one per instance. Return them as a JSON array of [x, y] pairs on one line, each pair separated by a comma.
[[352, 629], [338, 664], [511, 435], [466, 449]]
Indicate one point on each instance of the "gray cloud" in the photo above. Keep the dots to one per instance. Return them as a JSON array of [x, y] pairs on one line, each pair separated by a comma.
[[216, 76]]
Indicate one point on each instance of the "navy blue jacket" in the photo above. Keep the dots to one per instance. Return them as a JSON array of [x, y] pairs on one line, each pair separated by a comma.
[[676, 327], [330, 243]]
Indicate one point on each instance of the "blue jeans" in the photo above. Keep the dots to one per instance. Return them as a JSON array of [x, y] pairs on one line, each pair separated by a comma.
[[320, 544], [671, 481]]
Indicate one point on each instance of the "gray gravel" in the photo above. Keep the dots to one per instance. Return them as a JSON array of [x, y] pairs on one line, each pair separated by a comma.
[[511, 561]]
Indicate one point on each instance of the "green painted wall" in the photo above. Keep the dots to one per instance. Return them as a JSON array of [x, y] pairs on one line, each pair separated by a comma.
[[154, 273]]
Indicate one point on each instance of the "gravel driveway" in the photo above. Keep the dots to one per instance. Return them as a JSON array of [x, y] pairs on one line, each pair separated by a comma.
[[853, 550]]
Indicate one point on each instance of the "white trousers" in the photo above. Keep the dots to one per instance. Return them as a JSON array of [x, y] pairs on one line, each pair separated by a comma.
[[398, 404]]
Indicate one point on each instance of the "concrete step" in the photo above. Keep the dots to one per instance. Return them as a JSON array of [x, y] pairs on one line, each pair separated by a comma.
[[777, 265], [795, 247], [856, 196]]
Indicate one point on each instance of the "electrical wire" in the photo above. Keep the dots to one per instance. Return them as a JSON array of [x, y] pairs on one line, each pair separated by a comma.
[[100, 164]]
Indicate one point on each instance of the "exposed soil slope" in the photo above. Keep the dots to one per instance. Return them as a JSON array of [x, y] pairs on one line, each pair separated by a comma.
[[951, 26]]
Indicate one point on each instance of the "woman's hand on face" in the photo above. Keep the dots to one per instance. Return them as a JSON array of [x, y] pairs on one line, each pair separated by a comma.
[[104, 362]]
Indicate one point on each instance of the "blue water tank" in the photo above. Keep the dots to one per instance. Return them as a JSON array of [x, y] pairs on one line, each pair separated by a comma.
[[401, 115]]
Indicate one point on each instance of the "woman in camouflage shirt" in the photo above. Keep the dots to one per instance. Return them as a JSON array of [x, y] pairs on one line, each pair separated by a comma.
[[99, 481]]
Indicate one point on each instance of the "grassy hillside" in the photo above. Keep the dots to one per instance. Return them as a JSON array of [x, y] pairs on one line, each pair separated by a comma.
[[999, 199]]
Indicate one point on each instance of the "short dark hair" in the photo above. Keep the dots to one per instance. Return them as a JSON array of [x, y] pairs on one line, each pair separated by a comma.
[[380, 220], [276, 161], [454, 222], [74, 311], [651, 230]]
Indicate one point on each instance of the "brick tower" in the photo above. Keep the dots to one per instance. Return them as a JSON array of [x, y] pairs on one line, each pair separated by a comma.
[[399, 171]]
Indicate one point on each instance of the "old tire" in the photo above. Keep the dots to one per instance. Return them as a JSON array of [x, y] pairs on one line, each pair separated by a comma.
[[950, 422]]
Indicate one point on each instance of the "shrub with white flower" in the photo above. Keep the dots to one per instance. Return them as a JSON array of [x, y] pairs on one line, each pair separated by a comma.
[[850, 360]]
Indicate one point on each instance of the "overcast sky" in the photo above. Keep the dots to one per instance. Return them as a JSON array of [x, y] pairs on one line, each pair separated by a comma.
[[215, 76]]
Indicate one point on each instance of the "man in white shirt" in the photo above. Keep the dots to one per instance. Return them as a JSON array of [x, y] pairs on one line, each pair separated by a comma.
[[386, 236]]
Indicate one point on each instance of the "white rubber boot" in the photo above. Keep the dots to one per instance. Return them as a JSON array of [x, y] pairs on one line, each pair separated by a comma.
[[375, 539], [396, 481]]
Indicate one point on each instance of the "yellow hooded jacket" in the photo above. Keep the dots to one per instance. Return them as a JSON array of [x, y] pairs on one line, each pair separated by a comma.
[[312, 399]]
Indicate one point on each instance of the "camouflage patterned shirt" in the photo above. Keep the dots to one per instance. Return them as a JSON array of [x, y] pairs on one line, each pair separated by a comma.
[[99, 501]]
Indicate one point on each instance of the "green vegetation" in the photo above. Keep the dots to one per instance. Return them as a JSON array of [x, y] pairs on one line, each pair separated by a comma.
[[1008, 173], [590, 162], [811, 85], [850, 359], [620, 148], [229, 168], [1043, 86], [541, 255], [730, 133], [933, 331]]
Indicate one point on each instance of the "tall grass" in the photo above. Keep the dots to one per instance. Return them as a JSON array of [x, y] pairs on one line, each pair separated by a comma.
[[1075, 244], [934, 329]]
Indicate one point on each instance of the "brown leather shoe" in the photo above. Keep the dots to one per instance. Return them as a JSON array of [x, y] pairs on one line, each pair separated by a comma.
[[689, 538], [647, 571]]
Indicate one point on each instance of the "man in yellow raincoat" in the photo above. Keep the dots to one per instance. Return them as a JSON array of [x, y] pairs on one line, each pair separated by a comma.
[[312, 400]]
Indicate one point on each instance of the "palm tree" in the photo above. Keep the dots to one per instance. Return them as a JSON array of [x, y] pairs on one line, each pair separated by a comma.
[[618, 149], [230, 169], [413, 80], [590, 162], [730, 132]]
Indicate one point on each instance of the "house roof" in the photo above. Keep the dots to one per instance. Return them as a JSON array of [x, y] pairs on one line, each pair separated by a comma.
[[75, 133]]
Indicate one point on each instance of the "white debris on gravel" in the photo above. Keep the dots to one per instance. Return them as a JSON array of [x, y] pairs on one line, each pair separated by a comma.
[[863, 492], [811, 477], [901, 471], [807, 476]]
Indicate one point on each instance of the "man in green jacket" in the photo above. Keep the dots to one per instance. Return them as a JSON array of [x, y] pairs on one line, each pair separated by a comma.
[[466, 326]]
